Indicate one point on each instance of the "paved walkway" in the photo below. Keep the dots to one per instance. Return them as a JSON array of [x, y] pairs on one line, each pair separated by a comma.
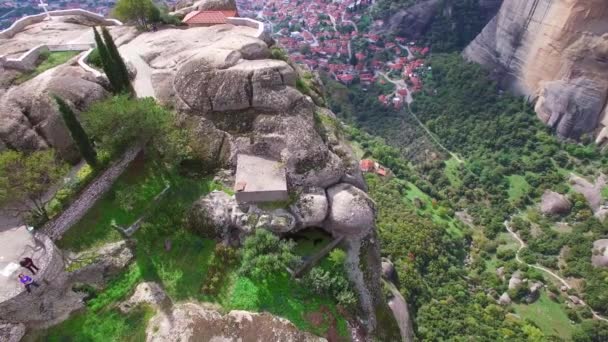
[[143, 80], [58, 226], [522, 244]]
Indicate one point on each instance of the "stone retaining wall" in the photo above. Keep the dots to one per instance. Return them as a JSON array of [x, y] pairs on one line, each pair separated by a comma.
[[27, 61], [259, 26], [93, 192], [22, 23]]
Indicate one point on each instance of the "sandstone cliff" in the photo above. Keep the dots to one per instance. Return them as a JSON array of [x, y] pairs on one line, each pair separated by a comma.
[[556, 53]]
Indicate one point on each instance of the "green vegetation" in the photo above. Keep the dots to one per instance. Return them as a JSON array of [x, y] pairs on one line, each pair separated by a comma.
[[77, 133], [281, 295], [25, 179], [141, 12], [511, 159], [120, 122], [112, 63], [548, 316], [263, 254], [46, 61], [518, 187]]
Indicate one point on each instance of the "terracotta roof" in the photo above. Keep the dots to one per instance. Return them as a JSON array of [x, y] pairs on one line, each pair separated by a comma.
[[208, 17]]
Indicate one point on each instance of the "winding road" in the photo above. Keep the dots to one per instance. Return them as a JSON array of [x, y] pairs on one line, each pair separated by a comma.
[[522, 245], [409, 99]]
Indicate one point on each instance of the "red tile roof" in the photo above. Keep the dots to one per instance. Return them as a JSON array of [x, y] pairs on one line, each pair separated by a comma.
[[208, 17]]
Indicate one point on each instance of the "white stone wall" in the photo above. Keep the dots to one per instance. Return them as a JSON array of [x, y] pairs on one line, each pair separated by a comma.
[[22, 23]]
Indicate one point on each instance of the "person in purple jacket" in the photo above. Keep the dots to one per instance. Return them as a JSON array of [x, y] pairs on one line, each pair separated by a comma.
[[28, 282]]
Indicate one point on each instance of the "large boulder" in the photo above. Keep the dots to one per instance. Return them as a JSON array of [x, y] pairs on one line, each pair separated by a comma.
[[553, 203], [351, 211], [101, 263], [311, 207], [29, 117], [515, 281], [599, 256], [149, 293], [195, 322]]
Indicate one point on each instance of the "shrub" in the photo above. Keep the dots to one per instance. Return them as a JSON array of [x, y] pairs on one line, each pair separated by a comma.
[[94, 59], [224, 258], [264, 253]]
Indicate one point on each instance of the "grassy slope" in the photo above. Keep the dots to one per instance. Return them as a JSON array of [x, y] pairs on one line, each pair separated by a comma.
[[451, 171], [518, 187], [414, 192], [548, 316], [54, 59]]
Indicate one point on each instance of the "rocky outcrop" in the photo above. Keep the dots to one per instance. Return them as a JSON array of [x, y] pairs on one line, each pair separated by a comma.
[[599, 255], [100, 264], [194, 322], [29, 118], [414, 20], [351, 211], [11, 332], [553, 203], [556, 53], [149, 293]]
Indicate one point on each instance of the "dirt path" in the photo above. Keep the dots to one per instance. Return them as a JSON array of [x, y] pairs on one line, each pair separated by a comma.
[[400, 84], [522, 244]]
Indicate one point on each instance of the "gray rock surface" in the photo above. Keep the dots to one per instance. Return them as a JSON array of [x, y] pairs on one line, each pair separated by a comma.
[[102, 263], [311, 207], [29, 118], [388, 271], [149, 293], [11, 332], [553, 203], [553, 51], [194, 322], [504, 299], [515, 281], [599, 256], [351, 211], [415, 20]]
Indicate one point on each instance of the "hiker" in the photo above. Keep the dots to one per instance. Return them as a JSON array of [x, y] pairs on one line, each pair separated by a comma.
[[28, 282], [29, 264]]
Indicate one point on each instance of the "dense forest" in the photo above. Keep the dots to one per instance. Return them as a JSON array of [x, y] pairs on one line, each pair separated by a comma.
[[509, 160]]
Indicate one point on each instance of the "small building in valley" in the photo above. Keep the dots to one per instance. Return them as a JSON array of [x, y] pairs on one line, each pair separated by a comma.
[[259, 180]]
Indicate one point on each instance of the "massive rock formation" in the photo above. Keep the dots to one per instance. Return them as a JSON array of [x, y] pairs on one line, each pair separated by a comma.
[[414, 21], [556, 53], [29, 117]]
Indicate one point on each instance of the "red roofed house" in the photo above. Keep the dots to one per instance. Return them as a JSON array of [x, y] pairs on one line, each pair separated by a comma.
[[367, 165], [208, 18]]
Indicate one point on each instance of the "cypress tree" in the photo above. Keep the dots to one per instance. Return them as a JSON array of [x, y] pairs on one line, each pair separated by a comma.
[[108, 65], [121, 67], [78, 134]]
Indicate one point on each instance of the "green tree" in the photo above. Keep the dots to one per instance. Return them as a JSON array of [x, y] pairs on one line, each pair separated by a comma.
[[78, 134], [141, 12], [122, 72], [109, 67], [121, 121], [25, 179], [264, 253]]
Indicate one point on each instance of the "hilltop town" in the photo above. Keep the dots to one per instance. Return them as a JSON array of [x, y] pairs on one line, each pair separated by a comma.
[[339, 38]]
